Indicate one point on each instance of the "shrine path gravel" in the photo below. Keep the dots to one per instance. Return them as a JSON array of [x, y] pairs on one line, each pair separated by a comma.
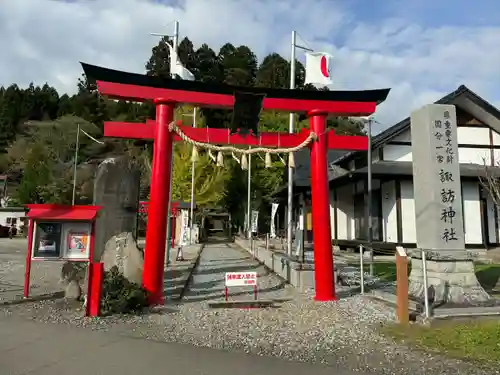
[[342, 334]]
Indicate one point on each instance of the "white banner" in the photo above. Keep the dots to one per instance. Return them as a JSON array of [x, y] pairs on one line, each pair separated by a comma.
[[274, 210], [255, 221], [184, 240], [318, 68]]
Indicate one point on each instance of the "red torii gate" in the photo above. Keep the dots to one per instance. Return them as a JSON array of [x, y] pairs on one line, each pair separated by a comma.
[[167, 93]]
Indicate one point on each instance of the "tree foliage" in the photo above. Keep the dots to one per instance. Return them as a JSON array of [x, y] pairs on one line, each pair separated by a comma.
[[210, 180], [38, 131], [44, 153]]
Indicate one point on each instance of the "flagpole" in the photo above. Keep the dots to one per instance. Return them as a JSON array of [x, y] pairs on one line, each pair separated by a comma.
[[249, 191], [290, 169], [192, 188], [291, 131], [175, 41]]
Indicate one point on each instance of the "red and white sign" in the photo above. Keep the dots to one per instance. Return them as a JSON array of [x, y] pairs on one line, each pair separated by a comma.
[[241, 279], [318, 68]]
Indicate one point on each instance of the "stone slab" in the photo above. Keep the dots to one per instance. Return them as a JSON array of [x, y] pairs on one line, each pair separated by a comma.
[[466, 312], [391, 298], [241, 304]]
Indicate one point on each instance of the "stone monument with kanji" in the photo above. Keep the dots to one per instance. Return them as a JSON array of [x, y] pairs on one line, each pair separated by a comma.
[[438, 211]]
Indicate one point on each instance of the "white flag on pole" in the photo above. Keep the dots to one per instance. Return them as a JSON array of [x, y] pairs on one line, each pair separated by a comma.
[[255, 221], [318, 68], [274, 209], [176, 66]]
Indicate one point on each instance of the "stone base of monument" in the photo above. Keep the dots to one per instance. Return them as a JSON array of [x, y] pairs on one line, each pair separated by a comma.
[[451, 280], [453, 288]]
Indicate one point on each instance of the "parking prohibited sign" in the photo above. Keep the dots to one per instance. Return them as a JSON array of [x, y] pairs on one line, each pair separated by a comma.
[[233, 279]]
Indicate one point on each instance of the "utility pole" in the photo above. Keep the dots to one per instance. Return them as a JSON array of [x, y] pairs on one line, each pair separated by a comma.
[[369, 203], [75, 163], [291, 131], [77, 146]]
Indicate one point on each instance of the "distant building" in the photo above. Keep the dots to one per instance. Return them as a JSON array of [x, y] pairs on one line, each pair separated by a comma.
[[13, 216]]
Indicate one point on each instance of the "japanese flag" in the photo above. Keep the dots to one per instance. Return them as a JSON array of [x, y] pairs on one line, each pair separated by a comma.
[[176, 67], [318, 68]]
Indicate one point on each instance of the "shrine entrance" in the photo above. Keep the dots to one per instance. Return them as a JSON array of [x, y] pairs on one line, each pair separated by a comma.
[[168, 93]]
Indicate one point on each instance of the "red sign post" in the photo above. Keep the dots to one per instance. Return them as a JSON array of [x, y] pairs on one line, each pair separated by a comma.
[[65, 233]]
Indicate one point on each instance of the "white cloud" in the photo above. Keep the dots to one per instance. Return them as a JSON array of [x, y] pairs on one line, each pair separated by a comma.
[[43, 40]]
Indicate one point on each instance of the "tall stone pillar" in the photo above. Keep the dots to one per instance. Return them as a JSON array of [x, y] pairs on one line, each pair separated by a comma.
[[116, 188], [438, 210]]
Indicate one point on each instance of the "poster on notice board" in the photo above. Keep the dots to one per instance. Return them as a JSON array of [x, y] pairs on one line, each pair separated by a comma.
[[76, 241], [47, 240]]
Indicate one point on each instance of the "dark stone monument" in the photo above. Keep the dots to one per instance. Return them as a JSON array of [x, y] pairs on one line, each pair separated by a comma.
[[116, 188], [438, 211]]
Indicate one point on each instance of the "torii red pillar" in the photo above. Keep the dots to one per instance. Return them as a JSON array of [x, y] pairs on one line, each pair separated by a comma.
[[323, 256], [156, 235]]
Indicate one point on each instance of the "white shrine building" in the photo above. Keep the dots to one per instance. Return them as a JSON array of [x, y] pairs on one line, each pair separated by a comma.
[[393, 210]]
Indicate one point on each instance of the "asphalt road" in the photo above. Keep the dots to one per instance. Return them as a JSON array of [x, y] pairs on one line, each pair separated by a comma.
[[33, 348]]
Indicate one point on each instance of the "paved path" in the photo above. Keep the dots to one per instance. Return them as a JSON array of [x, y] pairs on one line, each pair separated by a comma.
[[177, 272], [43, 349], [216, 260]]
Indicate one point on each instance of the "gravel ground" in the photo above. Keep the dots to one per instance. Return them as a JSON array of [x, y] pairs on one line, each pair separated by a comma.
[[341, 334]]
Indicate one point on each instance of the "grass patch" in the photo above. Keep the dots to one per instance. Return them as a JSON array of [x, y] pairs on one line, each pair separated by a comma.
[[385, 271], [474, 340], [487, 274]]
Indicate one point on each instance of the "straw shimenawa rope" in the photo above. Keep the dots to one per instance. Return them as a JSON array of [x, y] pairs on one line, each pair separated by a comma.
[[173, 127]]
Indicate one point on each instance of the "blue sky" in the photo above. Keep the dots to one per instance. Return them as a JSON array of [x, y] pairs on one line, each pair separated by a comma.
[[421, 49], [428, 12]]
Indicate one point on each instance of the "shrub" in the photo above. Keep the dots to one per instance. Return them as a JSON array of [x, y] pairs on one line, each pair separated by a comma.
[[120, 296]]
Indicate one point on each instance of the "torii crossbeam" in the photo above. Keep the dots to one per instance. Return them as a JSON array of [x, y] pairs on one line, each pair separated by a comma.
[[168, 93]]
